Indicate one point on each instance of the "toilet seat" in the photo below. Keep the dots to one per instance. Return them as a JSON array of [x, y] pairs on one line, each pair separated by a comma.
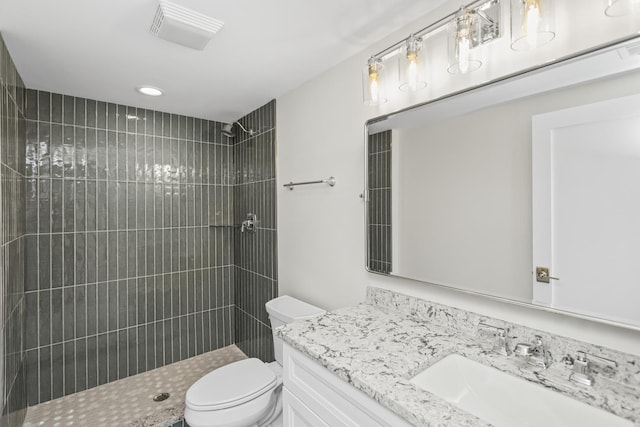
[[231, 385]]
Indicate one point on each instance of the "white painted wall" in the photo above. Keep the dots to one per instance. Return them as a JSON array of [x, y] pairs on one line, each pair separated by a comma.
[[321, 229]]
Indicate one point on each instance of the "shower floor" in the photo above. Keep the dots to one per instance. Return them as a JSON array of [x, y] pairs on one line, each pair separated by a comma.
[[129, 401]]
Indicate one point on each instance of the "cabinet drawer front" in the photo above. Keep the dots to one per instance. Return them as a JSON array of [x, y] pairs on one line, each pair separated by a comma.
[[297, 414], [335, 401]]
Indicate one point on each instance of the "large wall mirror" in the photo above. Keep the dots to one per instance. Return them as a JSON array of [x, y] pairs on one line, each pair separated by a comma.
[[526, 189]]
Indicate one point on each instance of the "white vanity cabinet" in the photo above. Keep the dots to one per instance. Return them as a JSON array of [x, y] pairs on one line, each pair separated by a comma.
[[313, 396]]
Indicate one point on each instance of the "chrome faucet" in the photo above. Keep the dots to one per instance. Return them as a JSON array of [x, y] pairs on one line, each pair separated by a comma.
[[501, 345], [535, 353], [249, 224]]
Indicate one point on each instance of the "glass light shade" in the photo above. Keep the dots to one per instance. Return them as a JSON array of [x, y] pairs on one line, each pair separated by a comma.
[[411, 66], [372, 83], [616, 8], [461, 41], [532, 23]]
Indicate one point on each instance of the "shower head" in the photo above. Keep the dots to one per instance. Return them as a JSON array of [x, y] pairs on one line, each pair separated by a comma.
[[227, 129]]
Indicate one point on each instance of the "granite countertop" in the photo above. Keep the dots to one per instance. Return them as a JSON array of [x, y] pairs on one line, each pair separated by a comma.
[[377, 349]]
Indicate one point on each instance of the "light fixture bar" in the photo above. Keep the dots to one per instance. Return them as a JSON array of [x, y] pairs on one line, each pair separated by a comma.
[[488, 11]]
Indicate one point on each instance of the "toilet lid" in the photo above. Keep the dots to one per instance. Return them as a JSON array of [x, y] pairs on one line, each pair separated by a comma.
[[231, 385]]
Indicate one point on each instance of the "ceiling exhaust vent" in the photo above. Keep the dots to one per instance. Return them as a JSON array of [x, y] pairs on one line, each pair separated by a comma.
[[184, 26]]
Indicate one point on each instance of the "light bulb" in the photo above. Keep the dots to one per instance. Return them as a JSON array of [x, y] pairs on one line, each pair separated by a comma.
[[462, 61], [412, 71], [374, 89], [463, 52], [531, 22]]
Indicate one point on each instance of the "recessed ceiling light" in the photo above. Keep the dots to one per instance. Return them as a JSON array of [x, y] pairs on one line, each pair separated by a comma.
[[150, 90]]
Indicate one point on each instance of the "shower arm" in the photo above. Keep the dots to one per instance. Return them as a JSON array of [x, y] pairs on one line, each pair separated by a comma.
[[250, 131]]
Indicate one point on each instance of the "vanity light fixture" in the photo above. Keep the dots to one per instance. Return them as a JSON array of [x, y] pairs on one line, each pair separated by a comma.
[[150, 90], [461, 41], [410, 66], [472, 26], [532, 23], [374, 84], [617, 8]]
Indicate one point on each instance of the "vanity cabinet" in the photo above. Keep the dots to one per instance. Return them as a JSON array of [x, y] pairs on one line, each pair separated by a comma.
[[313, 396]]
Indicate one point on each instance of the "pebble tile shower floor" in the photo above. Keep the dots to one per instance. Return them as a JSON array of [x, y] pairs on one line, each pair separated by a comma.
[[129, 402]]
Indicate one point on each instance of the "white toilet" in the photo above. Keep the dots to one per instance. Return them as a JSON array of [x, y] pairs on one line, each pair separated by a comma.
[[246, 393]]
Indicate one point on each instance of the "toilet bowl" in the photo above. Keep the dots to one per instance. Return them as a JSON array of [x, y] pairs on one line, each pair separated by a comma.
[[246, 393]]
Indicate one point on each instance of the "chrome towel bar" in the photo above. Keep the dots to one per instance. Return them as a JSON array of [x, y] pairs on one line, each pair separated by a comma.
[[331, 181]]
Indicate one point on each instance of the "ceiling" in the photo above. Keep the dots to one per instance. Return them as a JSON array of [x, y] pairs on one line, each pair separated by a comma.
[[103, 49]]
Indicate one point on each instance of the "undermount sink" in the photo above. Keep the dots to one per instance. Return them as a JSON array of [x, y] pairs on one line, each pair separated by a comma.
[[504, 400]]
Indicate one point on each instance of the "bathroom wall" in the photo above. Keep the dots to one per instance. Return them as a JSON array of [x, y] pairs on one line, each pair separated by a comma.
[[129, 249], [256, 275], [12, 243], [321, 240]]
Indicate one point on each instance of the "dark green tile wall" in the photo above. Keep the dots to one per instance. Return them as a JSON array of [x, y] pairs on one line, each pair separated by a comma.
[[12, 242], [130, 261], [256, 276]]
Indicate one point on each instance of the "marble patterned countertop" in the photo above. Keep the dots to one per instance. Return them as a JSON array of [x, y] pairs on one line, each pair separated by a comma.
[[379, 345]]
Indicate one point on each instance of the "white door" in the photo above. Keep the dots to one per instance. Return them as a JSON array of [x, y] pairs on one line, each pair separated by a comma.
[[586, 209]]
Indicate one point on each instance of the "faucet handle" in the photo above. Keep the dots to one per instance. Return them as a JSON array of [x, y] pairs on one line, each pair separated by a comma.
[[582, 370], [501, 344]]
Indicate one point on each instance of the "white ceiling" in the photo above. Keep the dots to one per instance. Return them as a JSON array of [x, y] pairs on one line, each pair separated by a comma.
[[102, 49]]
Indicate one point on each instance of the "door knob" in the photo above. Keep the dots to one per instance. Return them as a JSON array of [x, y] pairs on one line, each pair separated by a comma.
[[542, 275]]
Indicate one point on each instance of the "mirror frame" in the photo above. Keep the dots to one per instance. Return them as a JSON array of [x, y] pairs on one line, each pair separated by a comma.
[[493, 82]]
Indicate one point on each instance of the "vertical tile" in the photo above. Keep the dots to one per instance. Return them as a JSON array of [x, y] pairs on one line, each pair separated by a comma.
[[101, 115], [56, 207], [68, 152], [92, 361], [44, 106], [103, 359], [80, 112], [142, 348], [112, 356], [31, 360], [91, 110], [68, 316], [31, 324], [102, 307], [31, 253], [80, 137], [68, 110], [68, 205], [112, 304], [80, 205], [57, 371], [44, 360], [123, 354], [132, 345], [102, 160], [91, 309], [112, 119], [69, 367], [81, 365], [80, 321], [68, 259]]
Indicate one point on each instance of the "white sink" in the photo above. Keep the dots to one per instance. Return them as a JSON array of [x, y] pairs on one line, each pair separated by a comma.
[[505, 400]]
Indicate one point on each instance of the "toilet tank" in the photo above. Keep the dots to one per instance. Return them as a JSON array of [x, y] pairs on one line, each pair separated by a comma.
[[286, 309]]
